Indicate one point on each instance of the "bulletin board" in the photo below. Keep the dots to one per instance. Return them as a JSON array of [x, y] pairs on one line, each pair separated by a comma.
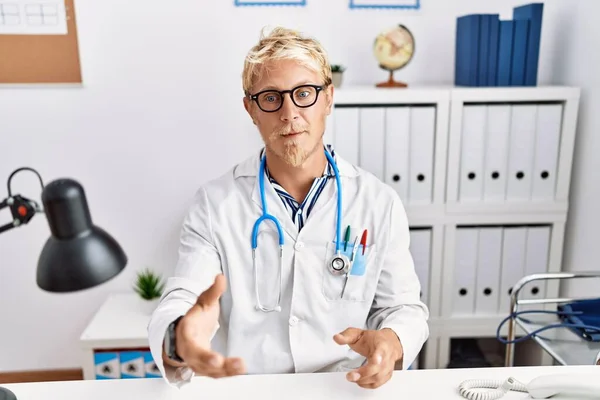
[[42, 58]]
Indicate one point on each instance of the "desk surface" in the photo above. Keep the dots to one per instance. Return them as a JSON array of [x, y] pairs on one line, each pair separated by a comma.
[[437, 384]]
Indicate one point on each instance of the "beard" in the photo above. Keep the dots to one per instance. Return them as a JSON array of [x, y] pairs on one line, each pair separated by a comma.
[[292, 152]]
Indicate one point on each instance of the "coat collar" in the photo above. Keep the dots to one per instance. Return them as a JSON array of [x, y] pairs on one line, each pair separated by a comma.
[[250, 166]]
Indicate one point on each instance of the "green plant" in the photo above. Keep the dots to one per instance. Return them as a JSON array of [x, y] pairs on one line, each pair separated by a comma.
[[337, 68], [149, 285]]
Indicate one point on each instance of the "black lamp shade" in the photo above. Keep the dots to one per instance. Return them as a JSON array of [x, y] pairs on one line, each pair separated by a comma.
[[78, 255]]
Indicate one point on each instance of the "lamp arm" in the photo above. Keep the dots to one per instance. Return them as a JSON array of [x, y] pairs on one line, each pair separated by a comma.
[[22, 209]]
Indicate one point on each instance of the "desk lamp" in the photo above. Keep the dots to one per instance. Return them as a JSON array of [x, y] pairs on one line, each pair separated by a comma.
[[78, 255]]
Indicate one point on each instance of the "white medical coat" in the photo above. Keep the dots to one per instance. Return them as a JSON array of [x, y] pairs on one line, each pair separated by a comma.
[[216, 238]]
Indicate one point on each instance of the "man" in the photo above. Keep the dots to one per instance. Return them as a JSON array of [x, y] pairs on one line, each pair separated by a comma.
[[288, 310]]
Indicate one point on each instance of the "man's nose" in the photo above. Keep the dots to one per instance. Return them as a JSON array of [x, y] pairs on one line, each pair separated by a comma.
[[289, 111]]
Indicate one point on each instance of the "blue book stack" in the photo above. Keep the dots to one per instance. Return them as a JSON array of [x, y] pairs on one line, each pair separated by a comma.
[[494, 52]]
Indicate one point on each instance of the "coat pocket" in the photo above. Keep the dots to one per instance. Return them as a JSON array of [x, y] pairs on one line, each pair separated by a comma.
[[352, 286]]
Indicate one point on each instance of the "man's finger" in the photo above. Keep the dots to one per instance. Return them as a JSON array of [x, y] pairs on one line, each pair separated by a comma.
[[211, 295], [348, 336], [206, 359], [372, 367], [234, 366], [376, 381]]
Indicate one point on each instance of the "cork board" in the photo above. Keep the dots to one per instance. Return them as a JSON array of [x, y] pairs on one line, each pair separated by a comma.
[[27, 58]]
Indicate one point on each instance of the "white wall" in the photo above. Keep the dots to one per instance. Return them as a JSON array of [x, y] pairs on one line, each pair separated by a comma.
[[576, 64], [160, 82]]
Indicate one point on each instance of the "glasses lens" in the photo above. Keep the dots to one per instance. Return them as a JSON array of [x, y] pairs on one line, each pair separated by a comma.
[[269, 101], [305, 96]]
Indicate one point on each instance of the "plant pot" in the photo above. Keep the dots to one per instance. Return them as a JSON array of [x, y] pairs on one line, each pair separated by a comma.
[[337, 78], [147, 307]]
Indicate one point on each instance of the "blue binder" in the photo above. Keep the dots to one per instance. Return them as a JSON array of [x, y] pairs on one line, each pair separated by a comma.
[[465, 70], [492, 77], [505, 47], [521, 38], [472, 56], [533, 13], [459, 53], [485, 37]]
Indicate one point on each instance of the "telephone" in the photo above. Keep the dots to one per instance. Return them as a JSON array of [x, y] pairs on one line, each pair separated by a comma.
[[580, 386]]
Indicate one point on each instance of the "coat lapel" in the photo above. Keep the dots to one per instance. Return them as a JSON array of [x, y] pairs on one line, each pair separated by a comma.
[[274, 205]]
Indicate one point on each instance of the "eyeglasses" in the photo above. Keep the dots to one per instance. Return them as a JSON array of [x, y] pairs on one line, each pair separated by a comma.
[[302, 96]]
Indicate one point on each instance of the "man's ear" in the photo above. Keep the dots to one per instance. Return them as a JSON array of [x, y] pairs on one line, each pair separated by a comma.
[[329, 97], [248, 107]]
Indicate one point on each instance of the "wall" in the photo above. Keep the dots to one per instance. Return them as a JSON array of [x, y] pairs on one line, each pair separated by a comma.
[[576, 65], [160, 83]]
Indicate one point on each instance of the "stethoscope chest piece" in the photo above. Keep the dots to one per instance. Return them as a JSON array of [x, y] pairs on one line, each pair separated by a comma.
[[339, 264]]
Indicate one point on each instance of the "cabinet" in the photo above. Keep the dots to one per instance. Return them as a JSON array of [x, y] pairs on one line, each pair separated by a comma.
[[114, 344], [484, 174]]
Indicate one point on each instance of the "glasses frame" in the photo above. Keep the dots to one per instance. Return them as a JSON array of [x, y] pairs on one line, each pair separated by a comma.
[[318, 88]]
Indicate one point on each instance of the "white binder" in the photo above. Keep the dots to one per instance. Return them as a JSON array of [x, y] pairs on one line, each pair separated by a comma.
[[465, 269], [422, 138], [372, 140], [496, 153], [489, 260], [472, 153], [347, 133], [513, 264], [521, 153], [549, 122], [536, 261], [420, 249], [397, 144]]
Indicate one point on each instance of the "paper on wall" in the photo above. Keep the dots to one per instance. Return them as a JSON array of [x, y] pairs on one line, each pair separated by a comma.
[[385, 3], [33, 17], [239, 3]]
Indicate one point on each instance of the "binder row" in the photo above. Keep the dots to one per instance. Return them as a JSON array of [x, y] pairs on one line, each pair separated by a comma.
[[494, 52], [396, 144], [490, 260], [420, 249], [509, 152], [126, 364]]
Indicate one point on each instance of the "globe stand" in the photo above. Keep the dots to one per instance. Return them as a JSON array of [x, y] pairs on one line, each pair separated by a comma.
[[391, 83]]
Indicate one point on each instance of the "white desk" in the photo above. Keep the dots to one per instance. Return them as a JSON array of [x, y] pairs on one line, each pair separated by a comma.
[[407, 385]]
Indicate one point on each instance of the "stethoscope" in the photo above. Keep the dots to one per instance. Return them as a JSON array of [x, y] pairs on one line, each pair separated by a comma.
[[339, 263]]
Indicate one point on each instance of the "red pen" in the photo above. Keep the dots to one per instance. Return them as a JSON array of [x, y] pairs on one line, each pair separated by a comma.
[[363, 241]]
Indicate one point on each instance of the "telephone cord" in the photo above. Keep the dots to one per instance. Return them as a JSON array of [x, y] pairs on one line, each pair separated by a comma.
[[470, 389]]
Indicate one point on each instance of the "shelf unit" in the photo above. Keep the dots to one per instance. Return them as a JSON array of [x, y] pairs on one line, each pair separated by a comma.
[[486, 166]]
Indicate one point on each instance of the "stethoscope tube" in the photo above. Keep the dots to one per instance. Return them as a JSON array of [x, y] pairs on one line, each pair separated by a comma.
[[339, 257]]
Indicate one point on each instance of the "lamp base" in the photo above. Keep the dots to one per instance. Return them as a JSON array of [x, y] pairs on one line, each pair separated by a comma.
[[6, 394]]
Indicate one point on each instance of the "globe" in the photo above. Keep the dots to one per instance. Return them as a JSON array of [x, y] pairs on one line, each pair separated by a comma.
[[394, 48]]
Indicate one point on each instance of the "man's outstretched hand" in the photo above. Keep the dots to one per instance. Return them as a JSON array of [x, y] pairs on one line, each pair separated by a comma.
[[382, 348], [194, 334]]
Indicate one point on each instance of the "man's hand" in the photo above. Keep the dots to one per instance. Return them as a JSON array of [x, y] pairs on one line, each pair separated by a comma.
[[194, 332], [381, 348]]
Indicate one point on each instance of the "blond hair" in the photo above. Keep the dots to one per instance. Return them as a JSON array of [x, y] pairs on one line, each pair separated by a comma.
[[285, 44]]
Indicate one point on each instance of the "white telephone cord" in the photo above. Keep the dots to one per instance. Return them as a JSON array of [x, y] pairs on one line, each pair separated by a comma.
[[468, 388]]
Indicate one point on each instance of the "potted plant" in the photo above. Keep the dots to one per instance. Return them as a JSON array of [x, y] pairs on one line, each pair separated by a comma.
[[337, 72], [149, 286]]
